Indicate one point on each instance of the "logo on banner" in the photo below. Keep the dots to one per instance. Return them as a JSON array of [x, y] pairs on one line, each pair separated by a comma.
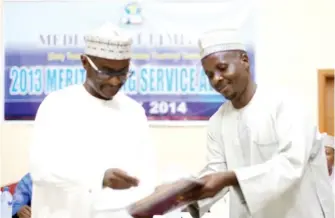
[[132, 14]]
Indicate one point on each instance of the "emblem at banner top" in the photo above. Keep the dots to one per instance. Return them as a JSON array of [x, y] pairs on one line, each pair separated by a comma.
[[132, 14]]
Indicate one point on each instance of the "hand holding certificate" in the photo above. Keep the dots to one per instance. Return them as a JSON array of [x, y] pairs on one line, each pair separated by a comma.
[[166, 198]]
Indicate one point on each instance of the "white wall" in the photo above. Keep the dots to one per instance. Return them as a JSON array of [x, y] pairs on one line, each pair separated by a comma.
[[294, 38]]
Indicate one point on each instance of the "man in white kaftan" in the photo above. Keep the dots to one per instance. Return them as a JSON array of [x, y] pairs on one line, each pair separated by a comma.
[[91, 150], [262, 146]]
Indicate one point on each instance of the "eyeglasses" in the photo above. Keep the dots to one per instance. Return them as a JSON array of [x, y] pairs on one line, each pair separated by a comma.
[[107, 74]]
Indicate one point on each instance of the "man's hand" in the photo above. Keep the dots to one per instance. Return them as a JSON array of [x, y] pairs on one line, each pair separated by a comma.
[[24, 212], [213, 184], [118, 179]]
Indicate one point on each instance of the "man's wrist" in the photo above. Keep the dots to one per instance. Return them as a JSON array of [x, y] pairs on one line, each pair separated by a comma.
[[229, 178]]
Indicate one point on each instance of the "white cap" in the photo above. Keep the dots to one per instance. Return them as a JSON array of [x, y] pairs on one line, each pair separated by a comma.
[[109, 42], [220, 40]]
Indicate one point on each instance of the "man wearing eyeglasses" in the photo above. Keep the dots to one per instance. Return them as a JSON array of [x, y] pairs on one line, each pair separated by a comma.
[[88, 138]]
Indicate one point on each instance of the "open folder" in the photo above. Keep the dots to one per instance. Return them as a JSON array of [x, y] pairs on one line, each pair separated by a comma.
[[166, 199]]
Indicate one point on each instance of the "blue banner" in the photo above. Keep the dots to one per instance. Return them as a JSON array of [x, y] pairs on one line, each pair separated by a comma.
[[44, 41]]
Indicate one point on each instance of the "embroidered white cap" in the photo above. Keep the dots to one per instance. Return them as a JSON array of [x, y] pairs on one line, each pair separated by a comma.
[[109, 42], [220, 40]]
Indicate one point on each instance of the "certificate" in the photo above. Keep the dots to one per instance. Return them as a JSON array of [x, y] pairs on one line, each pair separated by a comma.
[[166, 199]]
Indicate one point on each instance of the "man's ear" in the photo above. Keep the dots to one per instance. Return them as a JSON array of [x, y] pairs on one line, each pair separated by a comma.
[[245, 60], [244, 57], [84, 61]]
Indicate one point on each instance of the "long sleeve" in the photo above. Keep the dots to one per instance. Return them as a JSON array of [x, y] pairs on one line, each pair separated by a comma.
[[296, 134], [54, 158], [216, 161]]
